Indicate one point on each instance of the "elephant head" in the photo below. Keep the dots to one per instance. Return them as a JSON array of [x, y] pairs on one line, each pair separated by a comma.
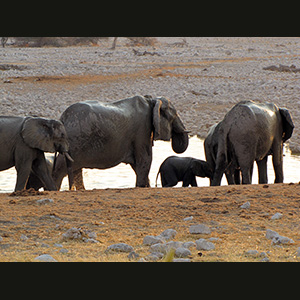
[[168, 126], [45, 134], [201, 168]]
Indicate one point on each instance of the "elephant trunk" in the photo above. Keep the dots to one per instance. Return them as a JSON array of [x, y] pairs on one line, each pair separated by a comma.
[[69, 160], [180, 138]]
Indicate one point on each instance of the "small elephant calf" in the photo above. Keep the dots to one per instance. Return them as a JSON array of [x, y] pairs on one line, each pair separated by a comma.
[[175, 169]]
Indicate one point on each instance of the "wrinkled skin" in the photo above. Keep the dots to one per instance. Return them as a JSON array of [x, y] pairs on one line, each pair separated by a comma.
[[23, 143], [185, 169], [250, 132], [232, 171], [104, 135]]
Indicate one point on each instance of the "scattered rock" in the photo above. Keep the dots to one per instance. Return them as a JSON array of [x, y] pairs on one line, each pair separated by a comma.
[[80, 234], [199, 229], [203, 244], [151, 240], [188, 218], [63, 251], [253, 253], [168, 234], [166, 247], [154, 256], [181, 260], [45, 258], [298, 252], [1, 239], [189, 244], [23, 238], [182, 252], [270, 234], [133, 255], [121, 247], [72, 234], [277, 216], [90, 240], [277, 240], [44, 201], [246, 205]]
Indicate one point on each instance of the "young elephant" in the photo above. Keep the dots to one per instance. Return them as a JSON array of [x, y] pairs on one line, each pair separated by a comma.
[[23, 142], [175, 169]]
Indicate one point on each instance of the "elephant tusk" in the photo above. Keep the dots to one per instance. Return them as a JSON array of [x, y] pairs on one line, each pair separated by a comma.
[[68, 157]]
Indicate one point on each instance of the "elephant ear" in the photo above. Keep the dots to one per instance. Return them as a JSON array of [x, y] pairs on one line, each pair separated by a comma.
[[287, 124], [37, 133], [156, 119]]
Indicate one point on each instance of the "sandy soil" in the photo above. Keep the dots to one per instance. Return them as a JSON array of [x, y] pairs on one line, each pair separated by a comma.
[[30, 229], [204, 78]]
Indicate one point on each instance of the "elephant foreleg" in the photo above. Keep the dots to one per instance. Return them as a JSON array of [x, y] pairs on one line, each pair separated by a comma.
[[141, 167], [277, 164], [40, 169], [142, 172], [78, 180], [194, 181]]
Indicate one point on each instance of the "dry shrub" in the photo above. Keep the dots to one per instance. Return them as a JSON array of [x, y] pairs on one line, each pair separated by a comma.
[[56, 41]]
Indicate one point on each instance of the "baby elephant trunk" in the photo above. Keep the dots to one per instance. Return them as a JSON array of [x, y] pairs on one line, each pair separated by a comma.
[[202, 169]]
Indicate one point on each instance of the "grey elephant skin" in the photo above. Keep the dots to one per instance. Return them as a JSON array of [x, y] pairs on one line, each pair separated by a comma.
[[23, 143], [185, 169], [249, 132], [103, 135]]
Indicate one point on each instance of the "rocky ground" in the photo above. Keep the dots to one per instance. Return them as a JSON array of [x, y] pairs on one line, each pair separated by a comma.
[[240, 223], [204, 78]]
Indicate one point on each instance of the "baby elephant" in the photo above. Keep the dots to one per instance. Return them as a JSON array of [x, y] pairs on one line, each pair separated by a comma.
[[175, 169]]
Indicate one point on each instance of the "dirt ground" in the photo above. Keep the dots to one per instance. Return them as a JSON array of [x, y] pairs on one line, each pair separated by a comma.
[[30, 229], [204, 78]]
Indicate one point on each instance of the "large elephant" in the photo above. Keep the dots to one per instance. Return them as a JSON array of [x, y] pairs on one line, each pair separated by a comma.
[[23, 143], [250, 132], [103, 135], [232, 171], [185, 169]]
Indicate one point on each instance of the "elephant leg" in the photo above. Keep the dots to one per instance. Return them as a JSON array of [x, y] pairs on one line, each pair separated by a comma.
[[142, 166], [277, 163], [237, 176], [142, 171], [40, 169], [22, 177], [168, 180], [78, 180], [193, 181], [262, 170]]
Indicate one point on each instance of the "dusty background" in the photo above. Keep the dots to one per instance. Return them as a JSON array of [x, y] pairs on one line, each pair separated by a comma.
[[204, 78]]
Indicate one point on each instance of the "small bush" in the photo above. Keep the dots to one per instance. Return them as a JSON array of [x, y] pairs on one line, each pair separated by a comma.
[[56, 41]]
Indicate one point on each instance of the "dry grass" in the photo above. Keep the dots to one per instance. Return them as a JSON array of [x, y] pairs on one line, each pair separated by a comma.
[[130, 214]]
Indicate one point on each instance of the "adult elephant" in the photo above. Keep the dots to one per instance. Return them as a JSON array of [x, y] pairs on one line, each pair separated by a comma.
[[185, 169], [250, 132], [104, 135], [232, 171], [23, 143]]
